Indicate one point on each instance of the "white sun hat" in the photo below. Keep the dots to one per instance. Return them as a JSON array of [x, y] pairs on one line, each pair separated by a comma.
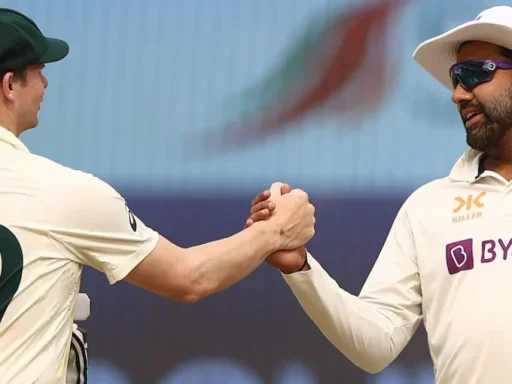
[[438, 54]]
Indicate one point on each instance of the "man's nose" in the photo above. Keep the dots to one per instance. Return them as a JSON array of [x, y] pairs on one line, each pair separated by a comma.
[[460, 95]]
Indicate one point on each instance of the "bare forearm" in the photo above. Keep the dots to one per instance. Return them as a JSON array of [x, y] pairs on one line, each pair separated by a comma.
[[217, 265], [190, 274]]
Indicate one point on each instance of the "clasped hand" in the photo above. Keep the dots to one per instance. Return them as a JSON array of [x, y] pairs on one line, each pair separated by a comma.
[[295, 215]]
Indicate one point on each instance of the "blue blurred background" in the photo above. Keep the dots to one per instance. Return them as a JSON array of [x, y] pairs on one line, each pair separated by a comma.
[[191, 107]]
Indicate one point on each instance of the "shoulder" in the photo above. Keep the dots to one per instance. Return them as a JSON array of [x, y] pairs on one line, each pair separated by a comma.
[[428, 195], [61, 182], [54, 179], [67, 194]]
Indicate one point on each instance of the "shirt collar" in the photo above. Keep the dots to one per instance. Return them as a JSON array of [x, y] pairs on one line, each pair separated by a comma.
[[7, 137], [469, 167]]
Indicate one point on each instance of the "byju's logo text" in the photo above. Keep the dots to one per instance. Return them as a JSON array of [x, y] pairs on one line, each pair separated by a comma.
[[460, 256]]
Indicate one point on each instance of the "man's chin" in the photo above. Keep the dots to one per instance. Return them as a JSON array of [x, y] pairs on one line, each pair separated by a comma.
[[31, 125], [477, 143], [483, 144]]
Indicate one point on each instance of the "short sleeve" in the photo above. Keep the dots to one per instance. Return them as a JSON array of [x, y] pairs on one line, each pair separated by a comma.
[[93, 225]]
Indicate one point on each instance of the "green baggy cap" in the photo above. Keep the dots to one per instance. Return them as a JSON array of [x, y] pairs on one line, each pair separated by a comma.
[[22, 43]]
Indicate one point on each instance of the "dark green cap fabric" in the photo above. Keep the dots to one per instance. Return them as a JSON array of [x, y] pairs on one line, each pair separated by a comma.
[[22, 43]]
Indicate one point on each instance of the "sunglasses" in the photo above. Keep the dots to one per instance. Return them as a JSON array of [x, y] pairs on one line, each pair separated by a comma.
[[475, 72]]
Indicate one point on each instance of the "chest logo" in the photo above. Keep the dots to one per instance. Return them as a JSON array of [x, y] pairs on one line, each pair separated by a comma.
[[468, 208]]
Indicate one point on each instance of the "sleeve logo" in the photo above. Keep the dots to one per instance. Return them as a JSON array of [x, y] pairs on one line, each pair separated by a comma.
[[131, 217]]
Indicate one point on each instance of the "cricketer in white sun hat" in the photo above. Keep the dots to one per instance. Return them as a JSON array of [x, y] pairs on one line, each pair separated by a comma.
[[438, 54]]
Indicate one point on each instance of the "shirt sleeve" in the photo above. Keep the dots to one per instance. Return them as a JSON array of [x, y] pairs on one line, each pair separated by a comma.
[[373, 328], [93, 225]]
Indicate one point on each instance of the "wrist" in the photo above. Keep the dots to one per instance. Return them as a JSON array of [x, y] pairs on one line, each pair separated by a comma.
[[268, 235], [303, 266]]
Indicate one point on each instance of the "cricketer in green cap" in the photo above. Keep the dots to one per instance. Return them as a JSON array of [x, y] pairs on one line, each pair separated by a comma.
[[24, 51]]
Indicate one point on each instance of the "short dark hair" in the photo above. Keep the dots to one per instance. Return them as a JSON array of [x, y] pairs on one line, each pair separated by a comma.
[[19, 74], [505, 52]]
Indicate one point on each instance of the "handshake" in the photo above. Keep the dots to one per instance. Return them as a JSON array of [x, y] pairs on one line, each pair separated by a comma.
[[291, 219]]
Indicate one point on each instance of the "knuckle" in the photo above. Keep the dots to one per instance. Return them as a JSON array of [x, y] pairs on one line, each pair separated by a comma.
[[261, 206], [300, 195], [259, 198]]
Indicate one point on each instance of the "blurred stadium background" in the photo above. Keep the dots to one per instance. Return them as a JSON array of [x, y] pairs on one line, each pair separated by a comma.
[[189, 108]]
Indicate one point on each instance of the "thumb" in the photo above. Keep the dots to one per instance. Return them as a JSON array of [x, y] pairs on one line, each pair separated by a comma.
[[275, 189], [285, 188]]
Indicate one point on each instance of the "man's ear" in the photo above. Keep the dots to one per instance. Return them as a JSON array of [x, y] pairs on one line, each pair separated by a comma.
[[7, 86]]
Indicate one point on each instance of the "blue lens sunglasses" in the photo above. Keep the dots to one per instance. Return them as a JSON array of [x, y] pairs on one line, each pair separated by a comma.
[[471, 73]]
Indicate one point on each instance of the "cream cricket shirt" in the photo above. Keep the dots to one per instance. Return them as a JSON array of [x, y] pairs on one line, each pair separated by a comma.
[[54, 220], [447, 261]]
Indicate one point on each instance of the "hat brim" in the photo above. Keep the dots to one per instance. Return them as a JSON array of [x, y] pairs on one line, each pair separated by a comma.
[[438, 54], [56, 51]]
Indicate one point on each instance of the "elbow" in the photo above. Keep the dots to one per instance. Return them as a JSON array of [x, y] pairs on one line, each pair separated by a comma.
[[186, 297], [373, 363], [372, 358], [374, 368], [189, 295], [196, 283], [194, 291]]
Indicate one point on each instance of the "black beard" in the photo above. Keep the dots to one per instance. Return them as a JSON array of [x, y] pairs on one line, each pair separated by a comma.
[[488, 134]]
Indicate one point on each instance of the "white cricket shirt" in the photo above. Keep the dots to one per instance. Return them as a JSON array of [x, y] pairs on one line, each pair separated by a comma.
[[447, 261], [53, 221]]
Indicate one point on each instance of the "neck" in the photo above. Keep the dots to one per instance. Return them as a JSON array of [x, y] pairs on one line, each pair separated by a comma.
[[8, 124], [500, 161]]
